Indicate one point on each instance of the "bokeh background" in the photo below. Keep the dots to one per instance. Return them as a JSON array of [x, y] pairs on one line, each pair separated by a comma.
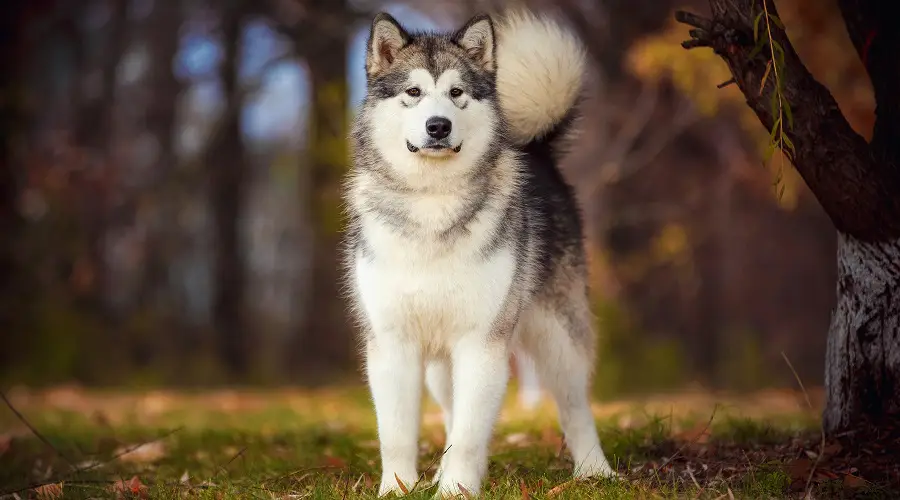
[[174, 171]]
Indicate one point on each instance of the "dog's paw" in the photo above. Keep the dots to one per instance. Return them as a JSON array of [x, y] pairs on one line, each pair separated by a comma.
[[455, 487], [396, 484], [595, 467]]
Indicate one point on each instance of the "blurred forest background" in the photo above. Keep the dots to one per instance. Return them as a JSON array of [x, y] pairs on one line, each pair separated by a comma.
[[170, 208]]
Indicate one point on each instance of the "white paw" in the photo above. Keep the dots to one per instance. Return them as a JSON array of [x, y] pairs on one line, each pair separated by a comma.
[[458, 486], [390, 484], [595, 467], [437, 476]]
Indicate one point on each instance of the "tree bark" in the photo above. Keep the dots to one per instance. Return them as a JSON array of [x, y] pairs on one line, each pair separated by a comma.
[[226, 165], [857, 184], [862, 374]]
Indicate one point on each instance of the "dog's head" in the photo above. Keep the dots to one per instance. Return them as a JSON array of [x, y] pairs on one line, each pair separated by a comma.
[[432, 108]]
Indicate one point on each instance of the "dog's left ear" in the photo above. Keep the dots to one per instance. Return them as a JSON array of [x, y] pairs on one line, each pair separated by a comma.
[[477, 38]]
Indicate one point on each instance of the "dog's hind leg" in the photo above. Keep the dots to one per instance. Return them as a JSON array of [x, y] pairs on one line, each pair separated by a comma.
[[440, 384], [562, 344]]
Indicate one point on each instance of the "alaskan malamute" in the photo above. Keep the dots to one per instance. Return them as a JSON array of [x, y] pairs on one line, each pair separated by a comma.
[[464, 241]]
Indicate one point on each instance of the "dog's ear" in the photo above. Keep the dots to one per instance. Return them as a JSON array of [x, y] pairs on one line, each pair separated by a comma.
[[477, 38], [385, 40]]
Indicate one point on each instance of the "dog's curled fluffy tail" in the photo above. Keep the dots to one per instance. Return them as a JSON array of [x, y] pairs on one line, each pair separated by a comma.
[[540, 68]]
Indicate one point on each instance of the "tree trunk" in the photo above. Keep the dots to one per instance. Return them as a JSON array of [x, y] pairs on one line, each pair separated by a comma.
[[12, 120], [324, 341], [862, 375], [93, 134], [164, 88], [227, 170]]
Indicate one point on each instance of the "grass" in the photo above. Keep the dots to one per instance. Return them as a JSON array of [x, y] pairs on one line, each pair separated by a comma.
[[322, 445]]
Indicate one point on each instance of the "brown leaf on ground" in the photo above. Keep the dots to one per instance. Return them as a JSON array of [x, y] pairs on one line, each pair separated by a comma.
[[403, 487], [832, 449], [853, 482], [524, 489], [336, 462], [5, 443], [49, 491], [132, 488], [799, 469], [145, 453], [559, 488]]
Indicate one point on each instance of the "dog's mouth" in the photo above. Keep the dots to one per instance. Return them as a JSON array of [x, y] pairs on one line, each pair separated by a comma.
[[439, 148]]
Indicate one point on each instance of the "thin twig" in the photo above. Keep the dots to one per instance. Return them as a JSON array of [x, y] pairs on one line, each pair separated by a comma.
[[36, 432], [224, 468], [822, 429], [430, 465]]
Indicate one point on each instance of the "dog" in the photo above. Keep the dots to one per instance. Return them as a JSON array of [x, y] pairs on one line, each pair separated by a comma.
[[463, 240]]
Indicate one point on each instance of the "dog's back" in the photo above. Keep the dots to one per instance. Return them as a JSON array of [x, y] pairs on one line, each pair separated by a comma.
[[465, 241]]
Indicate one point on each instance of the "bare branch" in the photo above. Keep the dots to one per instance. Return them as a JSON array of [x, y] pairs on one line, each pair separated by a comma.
[[856, 190]]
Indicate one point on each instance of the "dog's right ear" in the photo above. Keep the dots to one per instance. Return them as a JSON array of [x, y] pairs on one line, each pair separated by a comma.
[[385, 40]]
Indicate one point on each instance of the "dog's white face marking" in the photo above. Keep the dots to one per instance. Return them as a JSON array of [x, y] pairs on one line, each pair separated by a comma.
[[435, 130]]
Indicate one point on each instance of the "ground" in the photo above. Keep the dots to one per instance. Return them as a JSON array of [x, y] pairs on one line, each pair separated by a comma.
[[321, 445]]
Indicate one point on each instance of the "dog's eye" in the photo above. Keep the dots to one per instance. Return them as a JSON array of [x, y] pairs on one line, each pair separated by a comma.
[[413, 92], [455, 92]]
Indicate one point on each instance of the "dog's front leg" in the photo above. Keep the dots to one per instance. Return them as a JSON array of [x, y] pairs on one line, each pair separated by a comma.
[[480, 374], [394, 370]]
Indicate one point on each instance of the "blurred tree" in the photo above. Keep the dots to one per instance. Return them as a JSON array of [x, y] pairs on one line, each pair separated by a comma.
[[226, 161], [12, 118], [856, 182], [321, 36], [95, 100], [162, 39]]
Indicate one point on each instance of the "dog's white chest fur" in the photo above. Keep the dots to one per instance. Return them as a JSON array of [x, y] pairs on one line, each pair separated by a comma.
[[427, 294]]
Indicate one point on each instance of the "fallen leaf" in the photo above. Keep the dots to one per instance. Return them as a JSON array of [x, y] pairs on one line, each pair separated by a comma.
[[144, 453], [335, 462], [49, 491], [465, 492], [403, 487], [525, 495], [5, 443], [799, 469], [832, 449], [853, 482], [130, 489], [556, 490]]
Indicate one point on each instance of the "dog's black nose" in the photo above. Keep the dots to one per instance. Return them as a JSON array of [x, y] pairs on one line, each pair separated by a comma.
[[438, 127]]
